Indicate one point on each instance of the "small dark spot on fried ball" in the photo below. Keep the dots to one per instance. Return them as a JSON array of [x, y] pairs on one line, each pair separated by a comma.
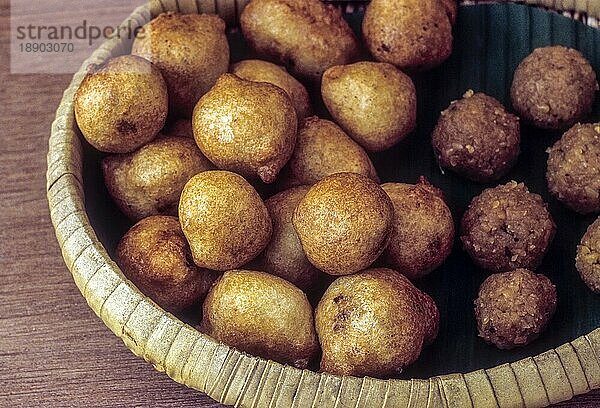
[[125, 126]]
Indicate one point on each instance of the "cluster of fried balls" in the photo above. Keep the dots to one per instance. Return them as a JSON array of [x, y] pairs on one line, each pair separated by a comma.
[[204, 235]]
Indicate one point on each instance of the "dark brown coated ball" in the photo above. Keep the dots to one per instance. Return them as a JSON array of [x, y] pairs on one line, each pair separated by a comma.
[[587, 260], [156, 257], [423, 232], [374, 323], [513, 308], [574, 168], [506, 228], [411, 34], [553, 87], [476, 138]]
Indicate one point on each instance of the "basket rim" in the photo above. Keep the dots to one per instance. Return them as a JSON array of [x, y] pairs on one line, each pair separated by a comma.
[[236, 378]]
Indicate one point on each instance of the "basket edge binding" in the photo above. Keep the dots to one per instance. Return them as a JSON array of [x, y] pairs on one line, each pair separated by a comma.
[[235, 378]]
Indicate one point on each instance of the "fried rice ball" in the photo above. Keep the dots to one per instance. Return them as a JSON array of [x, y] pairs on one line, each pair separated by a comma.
[[553, 87], [587, 260], [574, 168], [423, 231], [476, 138], [513, 308], [506, 228]]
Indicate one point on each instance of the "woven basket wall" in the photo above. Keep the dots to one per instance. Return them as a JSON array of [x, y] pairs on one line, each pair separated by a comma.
[[232, 377]]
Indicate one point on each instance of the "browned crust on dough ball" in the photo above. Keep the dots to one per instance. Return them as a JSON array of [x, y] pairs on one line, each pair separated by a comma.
[[121, 104], [411, 34], [423, 232], [263, 315], [344, 223], [156, 257], [307, 36], [149, 181], [374, 323], [191, 50]]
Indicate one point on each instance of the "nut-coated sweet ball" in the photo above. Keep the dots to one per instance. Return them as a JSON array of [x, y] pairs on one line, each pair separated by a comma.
[[375, 103], [121, 104], [374, 323], [191, 51], [423, 232], [587, 260], [411, 34], [307, 36], [224, 219], [476, 138], [155, 256], [149, 181], [246, 127], [574, 168], [507, 228], [323, 149], [553, 87], [264, 71], [344, 223], [284, 255], [513, 308], [263, 315]]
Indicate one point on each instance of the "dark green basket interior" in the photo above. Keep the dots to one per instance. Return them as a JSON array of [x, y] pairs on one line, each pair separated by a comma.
[[489, 43]]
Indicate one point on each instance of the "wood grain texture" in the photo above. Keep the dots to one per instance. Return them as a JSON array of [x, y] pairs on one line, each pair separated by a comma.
[[53, 350]]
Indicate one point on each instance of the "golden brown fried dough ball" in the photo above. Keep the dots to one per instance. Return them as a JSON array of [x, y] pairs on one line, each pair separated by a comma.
[[323, 149], [423, 232], [224, 219], [344, 223], [156, 257], [121, 104], [307, 36], [284, 255], [374, 324], [246, 127], [149, 181], [263, 315], [375, 103], [264, 71], [588, 257], [574, 168], [411, 34], [513, 308], [477, 138], [553, 87], [191, 51], [506, 228]]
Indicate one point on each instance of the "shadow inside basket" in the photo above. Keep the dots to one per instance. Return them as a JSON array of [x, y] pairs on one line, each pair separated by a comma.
[[489, 42]]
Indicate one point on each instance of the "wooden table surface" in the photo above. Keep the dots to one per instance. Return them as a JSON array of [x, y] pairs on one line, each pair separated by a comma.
[[54, 352]]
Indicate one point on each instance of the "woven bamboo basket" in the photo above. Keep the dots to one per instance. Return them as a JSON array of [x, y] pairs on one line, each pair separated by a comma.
[[232, 377]]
